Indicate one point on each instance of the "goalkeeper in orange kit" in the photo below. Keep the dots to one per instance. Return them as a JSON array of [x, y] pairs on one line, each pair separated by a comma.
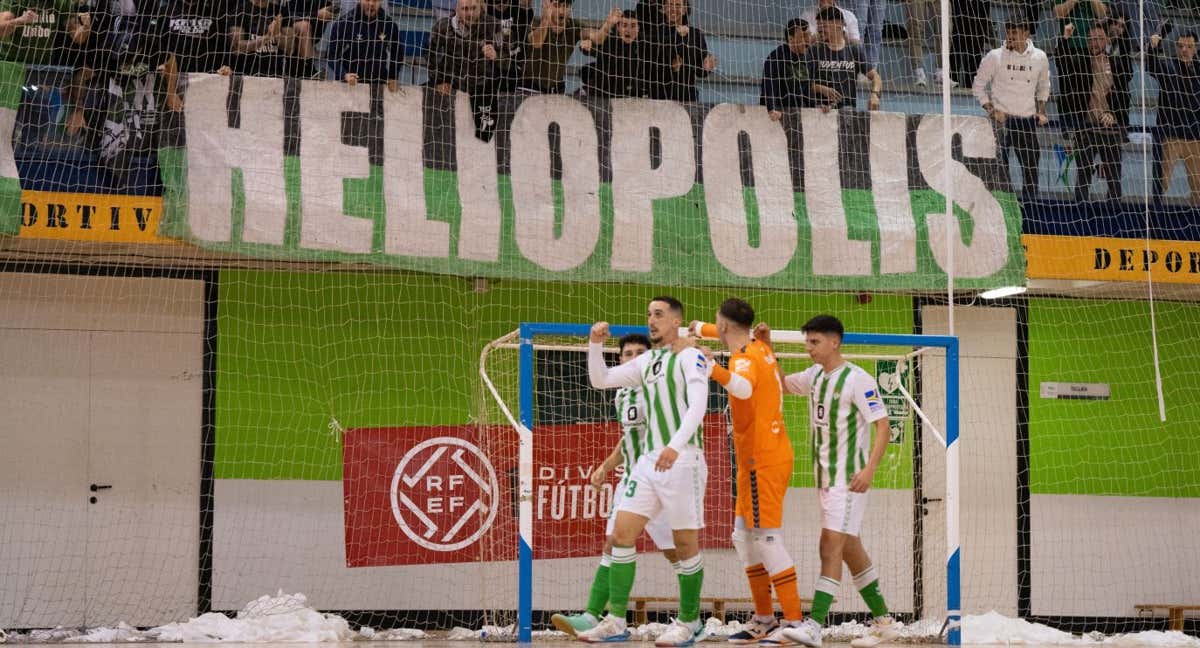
[[764, 469]]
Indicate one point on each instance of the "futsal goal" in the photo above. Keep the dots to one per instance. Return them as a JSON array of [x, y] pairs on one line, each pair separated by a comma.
[[536, 378]]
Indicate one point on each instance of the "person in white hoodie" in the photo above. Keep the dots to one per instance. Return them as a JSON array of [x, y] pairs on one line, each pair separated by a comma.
[[1013, 86]]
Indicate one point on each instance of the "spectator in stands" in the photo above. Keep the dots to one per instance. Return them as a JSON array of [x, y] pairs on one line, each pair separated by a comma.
[[257, 39], [870, 14], [1178, 107], [1013, 86], [113, 97], [970, 38], [1130, 10], [1071, 60], [1122, 54], [686, 49], [33, 31], [1097, 133], [620, 69], [923, 20], [365, 46], [196, 40], [1082, 13], [551, 43], [304, 22], [834, 65], [853, 33], [467, 51], [786, 85], [516, 19]]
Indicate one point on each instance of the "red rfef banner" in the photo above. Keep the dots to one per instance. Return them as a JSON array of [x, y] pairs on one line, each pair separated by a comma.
[[447, 494]]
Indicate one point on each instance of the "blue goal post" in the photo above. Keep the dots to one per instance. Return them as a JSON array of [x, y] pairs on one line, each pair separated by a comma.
[[529, 330]]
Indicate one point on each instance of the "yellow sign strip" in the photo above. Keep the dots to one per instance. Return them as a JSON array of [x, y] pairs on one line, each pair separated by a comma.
[[91, 217], [1111, 259]]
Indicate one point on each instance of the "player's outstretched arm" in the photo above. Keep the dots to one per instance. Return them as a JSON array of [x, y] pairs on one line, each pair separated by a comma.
[[599, 373]]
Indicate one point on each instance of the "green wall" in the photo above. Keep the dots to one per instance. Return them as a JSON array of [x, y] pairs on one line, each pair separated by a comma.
[[1118, 446], [297, 351]]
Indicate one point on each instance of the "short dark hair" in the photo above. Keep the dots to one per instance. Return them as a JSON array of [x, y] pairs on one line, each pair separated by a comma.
[[629, 13], [737, 310], [1019, 22], [831, 13], [793, 25], [824, 324], [1187, 34], [633, 338], [675, 304], [1099, 24]]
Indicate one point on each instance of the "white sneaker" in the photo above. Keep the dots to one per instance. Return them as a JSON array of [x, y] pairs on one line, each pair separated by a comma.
[[807, 633], [754, 631], [922, 78], [608, 630], [883, 630], [941, 77], [681, 634], [778, 637]]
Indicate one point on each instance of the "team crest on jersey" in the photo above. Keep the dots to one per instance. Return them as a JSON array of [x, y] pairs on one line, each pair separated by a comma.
[[741, 364]]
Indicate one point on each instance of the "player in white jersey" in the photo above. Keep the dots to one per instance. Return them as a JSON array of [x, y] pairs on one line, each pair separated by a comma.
[[671, 474], [630, 404], [843, 405]]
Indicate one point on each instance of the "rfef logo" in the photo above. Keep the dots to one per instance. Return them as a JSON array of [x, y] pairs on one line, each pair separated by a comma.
[[444, 494], [428, 494]]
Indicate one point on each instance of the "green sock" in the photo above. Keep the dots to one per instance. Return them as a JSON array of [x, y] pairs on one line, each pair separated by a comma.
[[691, 577], [874, 599], [598, 597], [620, 579], [823, 598]]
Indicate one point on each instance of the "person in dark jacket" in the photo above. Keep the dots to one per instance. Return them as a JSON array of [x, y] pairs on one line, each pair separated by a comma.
[[365, 46], [1122, 53], [676, 51], [1178, 106], [620, 67], [516, 21], [467, 50], [786, 84]]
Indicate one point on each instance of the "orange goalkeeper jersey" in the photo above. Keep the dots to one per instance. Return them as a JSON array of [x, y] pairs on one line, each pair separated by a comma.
[[759, 437]]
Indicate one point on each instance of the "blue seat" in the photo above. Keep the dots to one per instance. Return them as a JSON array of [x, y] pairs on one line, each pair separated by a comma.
[[415, 43]]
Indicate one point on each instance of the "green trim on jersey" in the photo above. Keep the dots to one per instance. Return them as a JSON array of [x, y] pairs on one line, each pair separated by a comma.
[[834, 410], [666, 399], [842, 428], [852, 449], [632, 434]]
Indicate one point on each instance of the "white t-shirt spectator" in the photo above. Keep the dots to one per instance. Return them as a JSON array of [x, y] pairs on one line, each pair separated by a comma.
[[852, 32]]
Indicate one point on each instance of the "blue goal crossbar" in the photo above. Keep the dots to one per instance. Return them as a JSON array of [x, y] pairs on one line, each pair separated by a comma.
[[529, 330]]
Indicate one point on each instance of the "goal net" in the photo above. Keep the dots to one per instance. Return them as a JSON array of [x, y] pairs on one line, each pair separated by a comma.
[[538, 379]]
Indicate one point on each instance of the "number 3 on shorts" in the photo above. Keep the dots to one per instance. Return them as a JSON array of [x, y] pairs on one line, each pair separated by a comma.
[[632, 489]]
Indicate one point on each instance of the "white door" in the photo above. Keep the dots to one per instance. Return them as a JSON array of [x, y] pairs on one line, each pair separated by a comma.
[[987, 461], [107, 371], [43, 475], [145, 443]]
